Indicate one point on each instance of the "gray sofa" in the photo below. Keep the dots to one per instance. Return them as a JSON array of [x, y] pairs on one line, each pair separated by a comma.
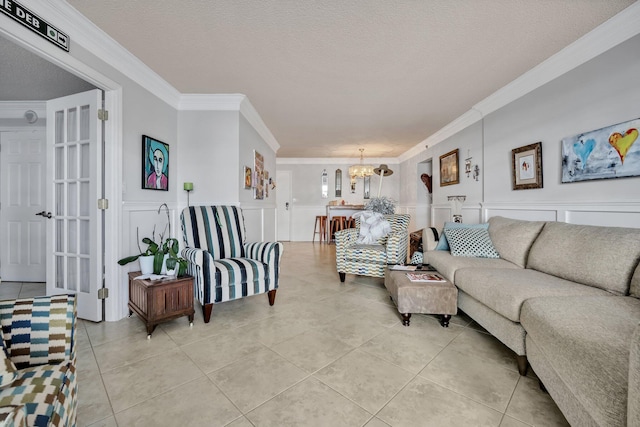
[[566, 299]]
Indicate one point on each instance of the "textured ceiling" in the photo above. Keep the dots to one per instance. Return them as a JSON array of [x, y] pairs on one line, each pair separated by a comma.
[[25, 76], [331, 76]]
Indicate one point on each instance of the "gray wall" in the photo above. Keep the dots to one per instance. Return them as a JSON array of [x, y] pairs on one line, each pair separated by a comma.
[[601, 92]]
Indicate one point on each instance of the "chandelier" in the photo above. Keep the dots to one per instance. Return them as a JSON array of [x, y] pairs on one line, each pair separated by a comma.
[[360, 170]]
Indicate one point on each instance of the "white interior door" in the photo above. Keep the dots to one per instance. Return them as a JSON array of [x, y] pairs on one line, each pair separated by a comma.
[[22, 166], [283, 202], [74, 176]]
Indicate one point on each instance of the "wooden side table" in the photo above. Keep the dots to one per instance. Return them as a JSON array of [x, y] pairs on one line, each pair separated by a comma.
[[157, 301]]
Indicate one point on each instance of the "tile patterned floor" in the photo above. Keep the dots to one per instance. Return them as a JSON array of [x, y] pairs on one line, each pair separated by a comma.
[[326, 354]]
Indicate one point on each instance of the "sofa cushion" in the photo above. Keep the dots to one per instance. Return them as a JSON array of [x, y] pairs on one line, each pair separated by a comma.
[[505, 290], [240, 277], [605, 257], [586, 341], [447, 264], [443, 244], [513, 238], [470, 242], [634, 289]]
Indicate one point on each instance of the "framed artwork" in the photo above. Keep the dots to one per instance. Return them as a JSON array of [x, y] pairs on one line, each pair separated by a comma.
[[258, 168], [247, 178], [155, 164], [610, 152], [449, 173], [526, 167]]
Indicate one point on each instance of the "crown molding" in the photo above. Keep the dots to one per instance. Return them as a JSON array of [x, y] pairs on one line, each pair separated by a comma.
[[229, 102], [86, 34], [604, 37], [462, 122], [210, 102], [336, 160], [16, 109], [252, 116]]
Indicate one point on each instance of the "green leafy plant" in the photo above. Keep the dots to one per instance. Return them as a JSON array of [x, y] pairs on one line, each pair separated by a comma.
[[158, 249], [383, 205]]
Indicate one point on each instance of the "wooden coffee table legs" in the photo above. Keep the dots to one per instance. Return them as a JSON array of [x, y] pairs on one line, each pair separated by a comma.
[[444, 319], [406, 318]]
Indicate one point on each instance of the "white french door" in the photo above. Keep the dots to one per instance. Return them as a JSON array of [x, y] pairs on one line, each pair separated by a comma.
[[23, 201], [74, 177]]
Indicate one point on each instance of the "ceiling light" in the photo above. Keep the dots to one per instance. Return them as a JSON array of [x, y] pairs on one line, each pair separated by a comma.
[[360, 170]]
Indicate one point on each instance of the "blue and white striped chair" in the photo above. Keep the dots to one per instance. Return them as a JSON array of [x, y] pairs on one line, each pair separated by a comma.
[[372, 260], [224, 267]]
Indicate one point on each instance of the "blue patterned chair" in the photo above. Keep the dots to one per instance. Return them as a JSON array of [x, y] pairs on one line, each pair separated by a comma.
[[371, 260], [38, 379], [224, 267]]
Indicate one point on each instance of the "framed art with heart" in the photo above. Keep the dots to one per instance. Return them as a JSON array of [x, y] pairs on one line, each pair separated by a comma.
[[610, 152]]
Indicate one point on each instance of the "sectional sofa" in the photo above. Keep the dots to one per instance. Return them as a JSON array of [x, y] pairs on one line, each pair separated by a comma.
[[566, 299]]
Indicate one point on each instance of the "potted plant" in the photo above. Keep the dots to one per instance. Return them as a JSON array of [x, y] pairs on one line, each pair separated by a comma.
[[159, 257]]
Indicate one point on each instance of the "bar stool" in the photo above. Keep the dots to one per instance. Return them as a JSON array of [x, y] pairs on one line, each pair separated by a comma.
[[351, 222], [337, 223], [321, 220]]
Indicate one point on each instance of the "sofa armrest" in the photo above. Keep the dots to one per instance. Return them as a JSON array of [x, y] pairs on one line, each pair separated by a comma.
[[200, 263], [268, 253], [430, 238], [397, 243], [40, 330], [633, 397]]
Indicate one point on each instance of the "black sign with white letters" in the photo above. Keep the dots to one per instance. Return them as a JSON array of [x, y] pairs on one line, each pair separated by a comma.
[[33, 22]]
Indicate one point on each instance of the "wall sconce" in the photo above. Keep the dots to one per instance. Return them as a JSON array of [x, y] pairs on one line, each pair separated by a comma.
[[188, 187], [476, 172], [467, 163]]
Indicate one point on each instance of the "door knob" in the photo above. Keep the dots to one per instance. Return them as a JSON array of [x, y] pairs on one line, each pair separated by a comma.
[[44, 214]]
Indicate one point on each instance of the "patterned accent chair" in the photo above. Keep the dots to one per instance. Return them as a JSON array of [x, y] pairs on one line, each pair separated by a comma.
[[224, 267], [38, 378], [371, 260]]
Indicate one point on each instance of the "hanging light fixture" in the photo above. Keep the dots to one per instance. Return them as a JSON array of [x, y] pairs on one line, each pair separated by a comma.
[[361, 170]]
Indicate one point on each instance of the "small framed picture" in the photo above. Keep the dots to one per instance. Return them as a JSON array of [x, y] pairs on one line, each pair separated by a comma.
[[155, 164], [449, 173], [526, 167], [247, 178]]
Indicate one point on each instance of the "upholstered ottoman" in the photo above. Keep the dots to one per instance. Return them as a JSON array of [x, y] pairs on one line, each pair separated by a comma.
[[421, 297]]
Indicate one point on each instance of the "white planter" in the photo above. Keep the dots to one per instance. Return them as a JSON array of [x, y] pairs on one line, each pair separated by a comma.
[[146, 264]]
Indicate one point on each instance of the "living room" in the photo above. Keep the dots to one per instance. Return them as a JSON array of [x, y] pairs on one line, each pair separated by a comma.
[[576, 91]]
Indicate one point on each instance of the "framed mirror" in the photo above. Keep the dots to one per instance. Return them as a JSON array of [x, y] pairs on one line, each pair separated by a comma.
[[367, 185], [325, 184], [338, 182]]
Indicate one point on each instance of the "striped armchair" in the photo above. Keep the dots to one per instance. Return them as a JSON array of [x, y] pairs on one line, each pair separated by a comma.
[[224, 267], [371, 260]]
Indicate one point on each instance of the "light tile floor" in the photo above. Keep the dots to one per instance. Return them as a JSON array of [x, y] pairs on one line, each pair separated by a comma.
[[326, 354]]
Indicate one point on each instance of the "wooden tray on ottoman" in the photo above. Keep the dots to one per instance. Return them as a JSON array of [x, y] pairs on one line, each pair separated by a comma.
[[157, 301], [421, 297]]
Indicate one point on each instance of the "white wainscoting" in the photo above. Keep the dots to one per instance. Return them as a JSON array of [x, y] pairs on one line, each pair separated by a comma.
[[441, 213], [303, 219], [259, 223], [625, 214]]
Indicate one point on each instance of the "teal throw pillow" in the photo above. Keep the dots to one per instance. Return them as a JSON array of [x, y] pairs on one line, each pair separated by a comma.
[[443, 244], [471, 242]]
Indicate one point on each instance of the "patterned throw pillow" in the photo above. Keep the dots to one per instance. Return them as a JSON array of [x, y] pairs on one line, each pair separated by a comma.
[[443, 244], [471, 242], [8, 371], [13, 416]]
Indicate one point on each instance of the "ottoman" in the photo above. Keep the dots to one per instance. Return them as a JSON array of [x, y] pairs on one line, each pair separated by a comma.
[[421, 297]]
